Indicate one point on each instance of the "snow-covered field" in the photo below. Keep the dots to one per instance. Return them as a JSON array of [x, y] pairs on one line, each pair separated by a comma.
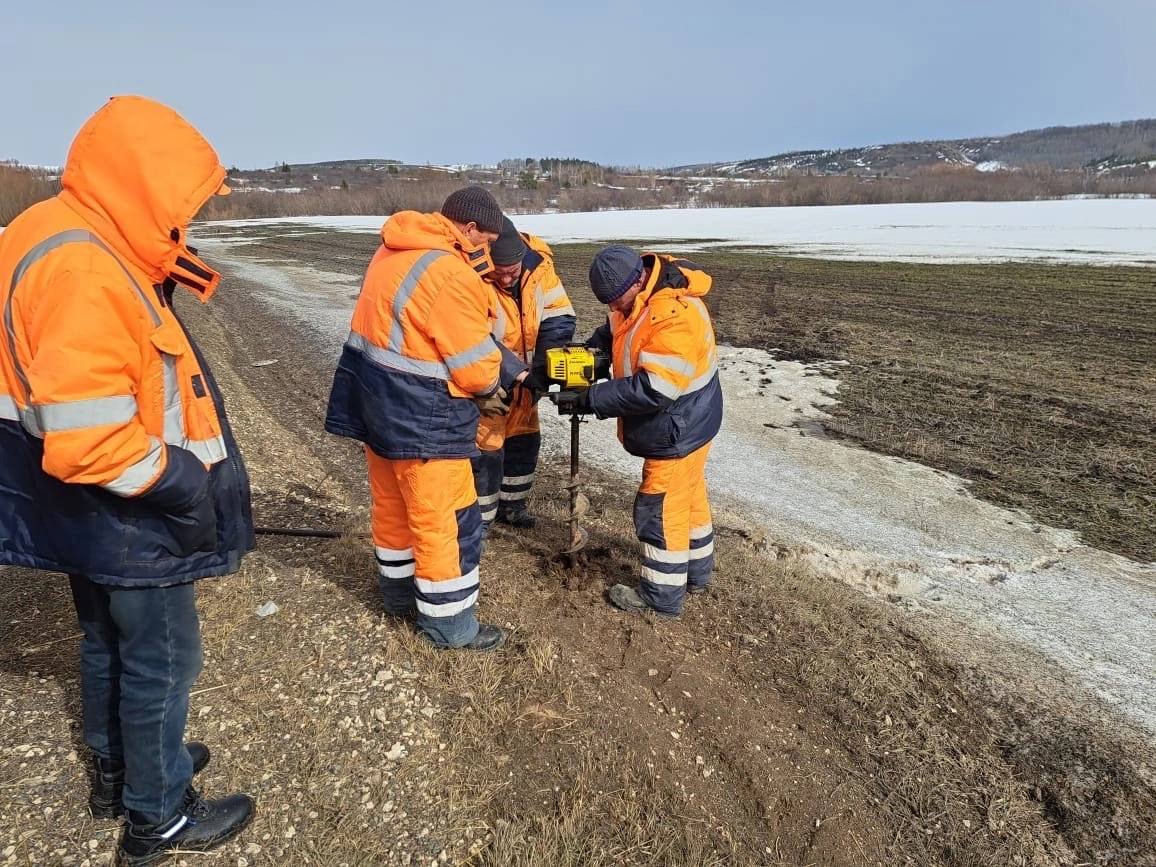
[[1097, 231]]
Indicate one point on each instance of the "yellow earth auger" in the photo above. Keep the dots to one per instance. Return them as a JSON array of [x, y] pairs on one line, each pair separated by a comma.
[[571, 370]]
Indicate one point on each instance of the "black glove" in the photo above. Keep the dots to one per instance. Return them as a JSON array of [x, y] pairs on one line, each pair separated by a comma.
[[536, 384], [195, 531], [537, 381], [573, 402]]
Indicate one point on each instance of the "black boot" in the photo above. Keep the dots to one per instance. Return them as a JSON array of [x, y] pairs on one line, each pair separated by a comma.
[[198, 826], [627, 599], [516, 514], [107, 778], [489, 638]]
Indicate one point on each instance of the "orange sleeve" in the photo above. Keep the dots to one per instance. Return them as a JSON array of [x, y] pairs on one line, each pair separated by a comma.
[[460, 324], [84, 335]]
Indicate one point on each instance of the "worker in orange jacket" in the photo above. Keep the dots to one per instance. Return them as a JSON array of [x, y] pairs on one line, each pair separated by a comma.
[[418, 370], [666, 396], [118, 465], [534, 315]]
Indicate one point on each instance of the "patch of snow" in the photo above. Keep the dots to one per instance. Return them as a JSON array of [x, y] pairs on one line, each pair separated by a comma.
[[990, 166], [269, 190]]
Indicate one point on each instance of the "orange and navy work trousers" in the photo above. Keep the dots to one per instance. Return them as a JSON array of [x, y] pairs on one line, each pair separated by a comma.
[[673, 523], [508, 458], [427, 535]]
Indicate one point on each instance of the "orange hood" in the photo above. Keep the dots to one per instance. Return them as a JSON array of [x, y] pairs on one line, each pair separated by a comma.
[[698, 281], [138, 173], [411, 230]]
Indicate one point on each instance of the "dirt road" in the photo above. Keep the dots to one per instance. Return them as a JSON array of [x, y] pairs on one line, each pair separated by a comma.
[[785, 720]]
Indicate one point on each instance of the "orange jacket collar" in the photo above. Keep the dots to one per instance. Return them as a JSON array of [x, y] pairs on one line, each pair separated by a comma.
[[412, 230], [138, 173]]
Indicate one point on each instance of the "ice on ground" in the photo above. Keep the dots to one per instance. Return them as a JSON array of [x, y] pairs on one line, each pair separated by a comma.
[[1096, 231]]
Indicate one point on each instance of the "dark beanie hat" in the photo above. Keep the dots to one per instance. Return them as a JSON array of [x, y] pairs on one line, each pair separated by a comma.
[[509, 248], [474, 205], [614, 270]]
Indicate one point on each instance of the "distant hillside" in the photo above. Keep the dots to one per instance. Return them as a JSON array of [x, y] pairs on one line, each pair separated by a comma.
[[1106, 147]]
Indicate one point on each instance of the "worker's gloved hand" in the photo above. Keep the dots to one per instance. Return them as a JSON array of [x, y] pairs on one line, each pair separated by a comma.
[[195, 531], [496, 404], [573, 402], [536, 382]]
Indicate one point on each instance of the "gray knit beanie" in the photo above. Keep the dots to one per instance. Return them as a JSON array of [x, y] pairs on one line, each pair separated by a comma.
[[614, 270], [474, 205]]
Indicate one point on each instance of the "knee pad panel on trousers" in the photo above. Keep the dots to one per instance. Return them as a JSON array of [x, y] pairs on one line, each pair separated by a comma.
[[648, 518], [469, 537]]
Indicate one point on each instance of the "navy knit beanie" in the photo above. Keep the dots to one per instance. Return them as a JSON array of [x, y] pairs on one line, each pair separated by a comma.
[[474, 205], [614, 270], [509, 248]]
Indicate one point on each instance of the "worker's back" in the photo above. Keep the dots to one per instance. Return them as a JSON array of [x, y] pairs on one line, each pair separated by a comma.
[[420, 345]]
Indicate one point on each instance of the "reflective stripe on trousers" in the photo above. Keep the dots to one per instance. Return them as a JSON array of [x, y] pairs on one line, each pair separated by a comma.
[[427, 534], [487, 469], [519, 466], [672, 520]]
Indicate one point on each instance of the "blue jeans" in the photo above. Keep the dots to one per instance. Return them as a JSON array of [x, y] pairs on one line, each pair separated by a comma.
[[139, 657]]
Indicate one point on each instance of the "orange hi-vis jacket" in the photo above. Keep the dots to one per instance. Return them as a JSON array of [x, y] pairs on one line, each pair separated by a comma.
[[532, 316], [420, 346], [100, 387], [665, 391]]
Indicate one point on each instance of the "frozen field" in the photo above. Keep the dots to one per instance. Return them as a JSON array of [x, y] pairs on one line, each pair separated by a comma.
[[1096, 231]]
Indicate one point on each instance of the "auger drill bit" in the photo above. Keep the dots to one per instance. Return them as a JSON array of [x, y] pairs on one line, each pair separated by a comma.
[[579, 504]]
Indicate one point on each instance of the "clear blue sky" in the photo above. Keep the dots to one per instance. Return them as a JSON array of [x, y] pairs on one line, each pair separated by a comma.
[[630, 82]]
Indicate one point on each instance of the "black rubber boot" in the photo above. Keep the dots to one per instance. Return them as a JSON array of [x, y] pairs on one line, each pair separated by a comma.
[[107, 778], [627, 598], [489, 638], [516, 514], [697, 589], [198, 826]]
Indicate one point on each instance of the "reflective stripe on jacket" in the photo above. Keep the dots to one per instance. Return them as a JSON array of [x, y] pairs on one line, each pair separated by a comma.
[[665, 389], [420, 346], [118, 461]]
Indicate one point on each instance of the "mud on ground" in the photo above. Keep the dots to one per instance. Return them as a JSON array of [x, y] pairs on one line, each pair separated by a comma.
[[783, 721]]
